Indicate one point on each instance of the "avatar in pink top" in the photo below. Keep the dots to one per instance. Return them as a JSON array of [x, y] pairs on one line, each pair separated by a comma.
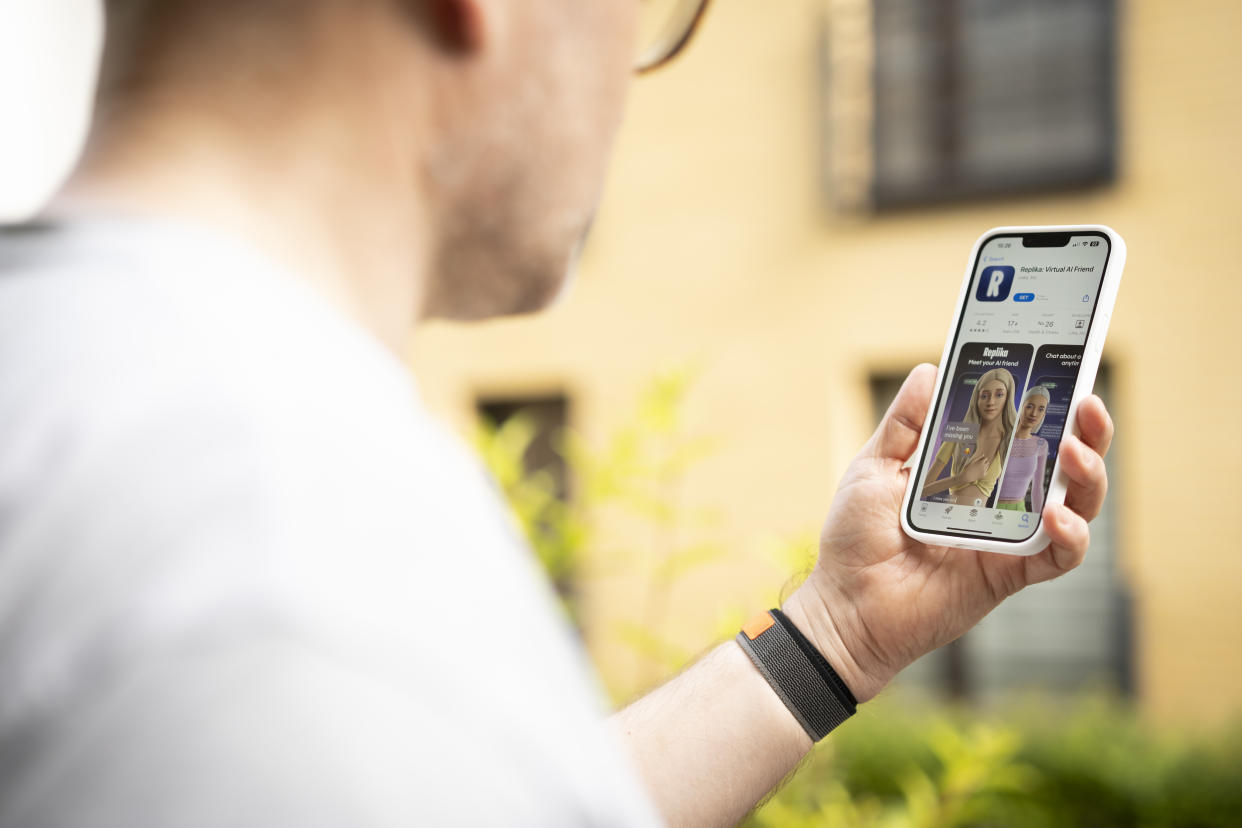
[[1028, 457]]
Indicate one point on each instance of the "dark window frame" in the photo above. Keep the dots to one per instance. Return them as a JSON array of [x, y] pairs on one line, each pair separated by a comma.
[[947, 124], [551, 412]]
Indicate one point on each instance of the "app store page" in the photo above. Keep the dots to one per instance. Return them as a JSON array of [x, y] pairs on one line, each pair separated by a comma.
[[998, 423]]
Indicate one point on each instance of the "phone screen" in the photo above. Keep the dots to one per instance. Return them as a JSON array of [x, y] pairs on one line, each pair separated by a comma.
[[1016, 354]]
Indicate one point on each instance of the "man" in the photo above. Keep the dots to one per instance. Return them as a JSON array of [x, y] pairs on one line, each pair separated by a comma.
[[243, 578]]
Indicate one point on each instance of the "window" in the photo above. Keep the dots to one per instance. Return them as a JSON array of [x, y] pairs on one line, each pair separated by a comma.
[[549, 415], [1059, 636], [538, 491], [964, 98]]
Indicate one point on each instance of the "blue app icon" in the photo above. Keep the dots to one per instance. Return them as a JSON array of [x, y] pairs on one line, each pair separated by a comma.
[[994, 283]]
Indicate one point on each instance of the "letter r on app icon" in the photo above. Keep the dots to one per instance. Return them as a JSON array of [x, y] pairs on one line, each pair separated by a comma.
[[994, 283]]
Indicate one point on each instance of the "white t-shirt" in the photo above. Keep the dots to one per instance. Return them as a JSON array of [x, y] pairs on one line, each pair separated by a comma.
[[244, 578]]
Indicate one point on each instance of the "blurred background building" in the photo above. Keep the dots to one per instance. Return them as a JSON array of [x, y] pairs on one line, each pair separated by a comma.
[[787, 220], [789, 215]]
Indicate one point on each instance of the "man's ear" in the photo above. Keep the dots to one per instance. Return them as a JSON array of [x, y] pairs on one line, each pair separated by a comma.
[[458, 26]]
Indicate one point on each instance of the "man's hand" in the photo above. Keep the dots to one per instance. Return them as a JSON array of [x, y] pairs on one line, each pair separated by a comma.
[[878, 599], [715, 739]]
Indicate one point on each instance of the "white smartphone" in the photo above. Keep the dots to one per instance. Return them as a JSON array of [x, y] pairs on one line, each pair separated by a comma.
[[1021, 354]]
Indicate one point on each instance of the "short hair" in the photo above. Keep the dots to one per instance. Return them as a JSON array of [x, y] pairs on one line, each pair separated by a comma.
[[1036, 391], [140, 32]]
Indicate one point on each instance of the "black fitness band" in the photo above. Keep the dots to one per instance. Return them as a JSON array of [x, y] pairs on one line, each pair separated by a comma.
[[799, 673]]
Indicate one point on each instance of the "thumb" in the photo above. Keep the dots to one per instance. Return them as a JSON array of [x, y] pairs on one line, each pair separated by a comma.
[[898, 433]]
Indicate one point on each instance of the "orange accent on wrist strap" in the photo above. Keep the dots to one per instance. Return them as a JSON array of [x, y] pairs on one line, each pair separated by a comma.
[[758, 625]]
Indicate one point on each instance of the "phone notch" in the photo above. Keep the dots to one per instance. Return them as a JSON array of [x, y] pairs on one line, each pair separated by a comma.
[[1045, 239]]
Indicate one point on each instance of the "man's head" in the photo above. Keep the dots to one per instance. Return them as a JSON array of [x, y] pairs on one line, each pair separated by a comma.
[[528, 122], [495, 116]]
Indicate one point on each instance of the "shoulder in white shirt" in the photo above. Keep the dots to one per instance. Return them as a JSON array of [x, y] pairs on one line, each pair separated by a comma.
[[245, 579]]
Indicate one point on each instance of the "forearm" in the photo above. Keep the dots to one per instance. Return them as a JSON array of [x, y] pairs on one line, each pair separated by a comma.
[[713, 741]]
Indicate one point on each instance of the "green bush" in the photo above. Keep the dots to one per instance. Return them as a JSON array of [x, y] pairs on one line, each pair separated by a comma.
[[1091, 761]]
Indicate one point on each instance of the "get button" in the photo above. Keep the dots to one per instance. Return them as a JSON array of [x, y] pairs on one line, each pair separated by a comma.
[[1024, 297]]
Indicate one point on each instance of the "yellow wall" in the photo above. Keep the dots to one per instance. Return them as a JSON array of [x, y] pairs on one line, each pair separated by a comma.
[[714, 248]]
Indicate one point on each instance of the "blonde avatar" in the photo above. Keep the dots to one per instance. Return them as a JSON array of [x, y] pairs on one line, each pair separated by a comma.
[[974, 470]]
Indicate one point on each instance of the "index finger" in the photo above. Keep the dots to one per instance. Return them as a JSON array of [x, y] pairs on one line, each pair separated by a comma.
[[1095, 426]]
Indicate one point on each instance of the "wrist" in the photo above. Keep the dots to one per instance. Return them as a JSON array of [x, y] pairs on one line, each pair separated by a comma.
[[813, 616]]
